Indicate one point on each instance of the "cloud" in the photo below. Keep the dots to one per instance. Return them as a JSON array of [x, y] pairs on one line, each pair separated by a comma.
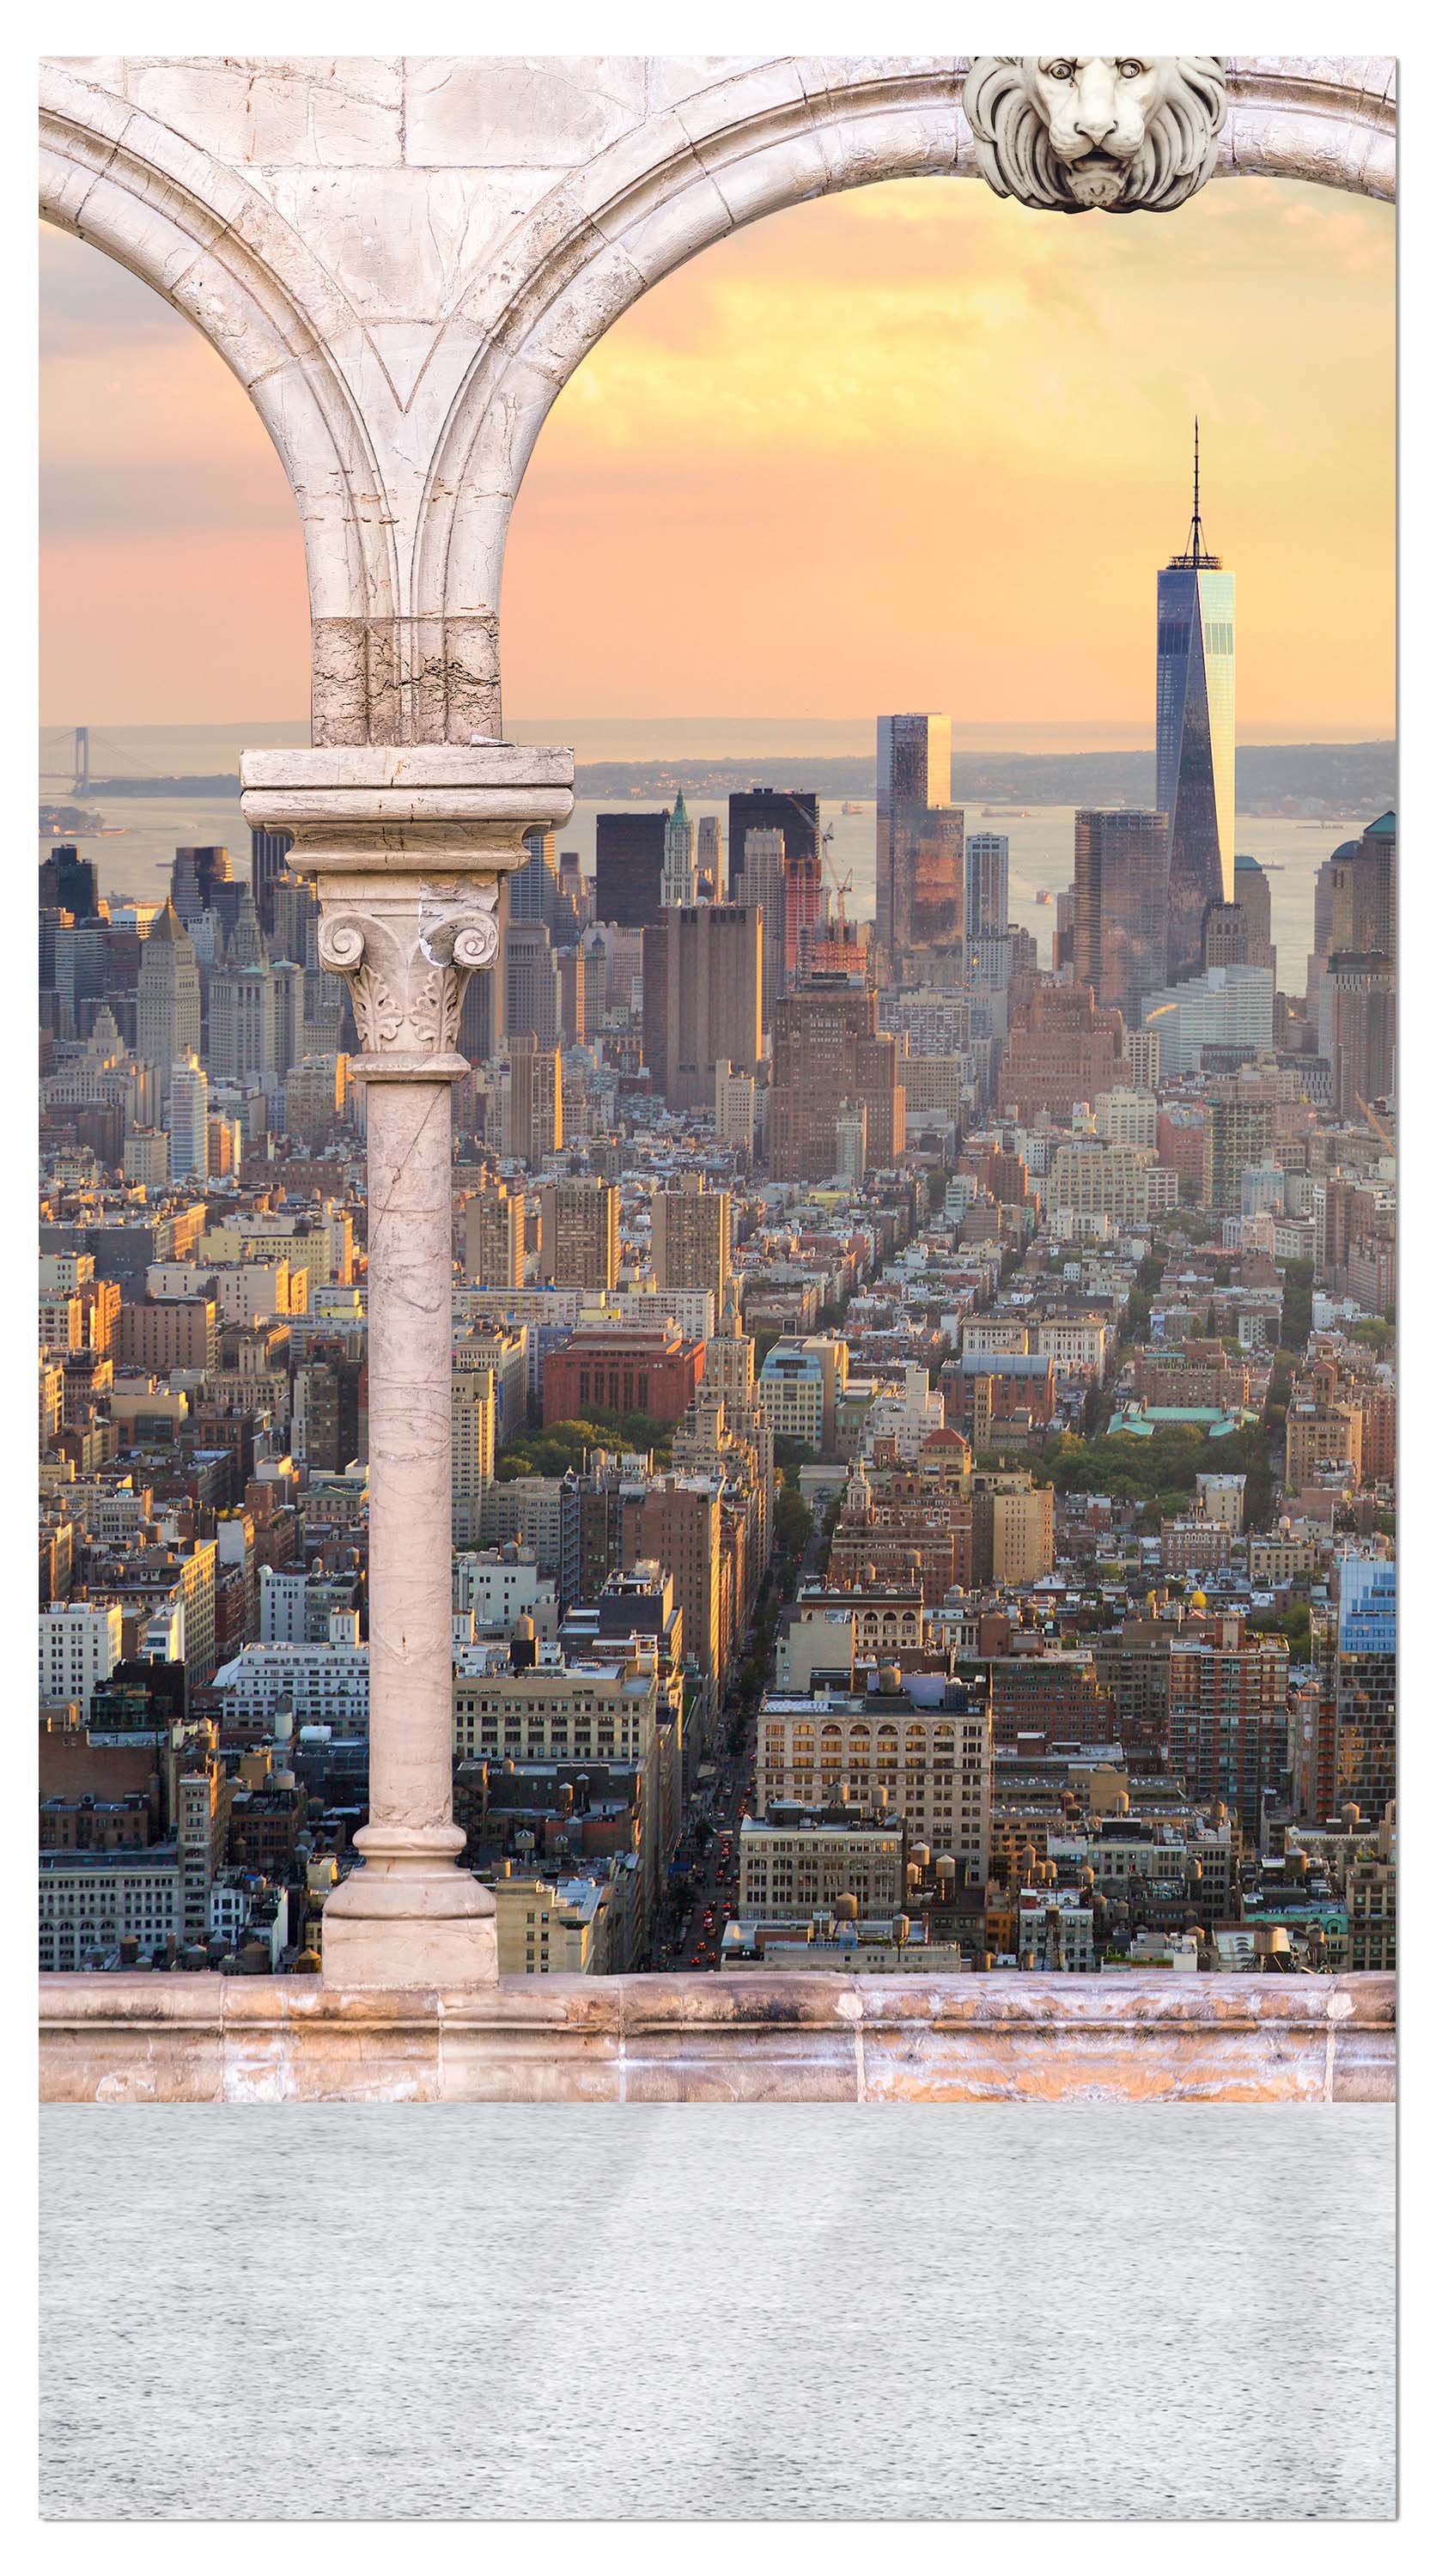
[[89, 304], [143, 429], [909, 442], [919, 431]]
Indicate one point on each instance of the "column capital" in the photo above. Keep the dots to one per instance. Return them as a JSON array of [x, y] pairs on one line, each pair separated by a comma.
[[407, 848]]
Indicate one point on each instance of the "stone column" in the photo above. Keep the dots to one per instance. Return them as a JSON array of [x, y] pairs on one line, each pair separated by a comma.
[[406, 849]]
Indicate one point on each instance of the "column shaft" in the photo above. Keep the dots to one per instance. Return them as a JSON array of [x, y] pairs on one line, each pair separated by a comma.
[[410, 1301]]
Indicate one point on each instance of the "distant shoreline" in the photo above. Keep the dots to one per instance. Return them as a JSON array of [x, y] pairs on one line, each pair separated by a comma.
[[1298, 779], [1320, 778], [1325, 778]]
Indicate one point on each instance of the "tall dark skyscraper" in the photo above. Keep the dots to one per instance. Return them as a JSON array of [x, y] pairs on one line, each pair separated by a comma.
[[267, 854], [1196, 736], [791, 811], [628, 884], [69, 883], [919, 836], [702, 988]]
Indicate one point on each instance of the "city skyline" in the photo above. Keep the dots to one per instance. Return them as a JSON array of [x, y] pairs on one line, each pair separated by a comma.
[[166, 510]]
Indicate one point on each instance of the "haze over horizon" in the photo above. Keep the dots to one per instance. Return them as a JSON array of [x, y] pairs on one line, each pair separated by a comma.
[[640, 740]]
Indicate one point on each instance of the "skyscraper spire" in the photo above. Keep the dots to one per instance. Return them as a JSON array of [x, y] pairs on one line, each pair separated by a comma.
[[1196, 555]]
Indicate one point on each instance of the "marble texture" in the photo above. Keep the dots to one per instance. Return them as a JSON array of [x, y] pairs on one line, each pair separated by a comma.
[[410, 1914], [404, 259], [750, 2038], [1002, 2315]]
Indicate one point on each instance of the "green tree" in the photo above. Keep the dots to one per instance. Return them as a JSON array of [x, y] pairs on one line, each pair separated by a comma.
[[1296, 1284], [561, 1445], [793, 1522], [789, 1452], [1294, 1625], [1161, 1468]]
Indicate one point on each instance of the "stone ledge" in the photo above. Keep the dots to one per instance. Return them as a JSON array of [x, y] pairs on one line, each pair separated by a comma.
[[746, 2038], [422, 768]]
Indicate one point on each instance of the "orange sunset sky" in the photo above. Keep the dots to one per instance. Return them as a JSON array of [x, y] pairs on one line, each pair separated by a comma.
[[913, 446]]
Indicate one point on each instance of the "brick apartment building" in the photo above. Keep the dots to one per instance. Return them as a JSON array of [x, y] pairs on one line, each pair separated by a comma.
[[649, 1370], [1060, 1049], [827, 1051]]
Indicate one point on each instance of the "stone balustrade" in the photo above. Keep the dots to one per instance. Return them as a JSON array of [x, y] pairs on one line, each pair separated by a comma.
[[134, 2038]]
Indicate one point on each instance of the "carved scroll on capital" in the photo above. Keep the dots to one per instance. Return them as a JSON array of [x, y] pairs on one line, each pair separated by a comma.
[[407, 957], [1126, 133], [453, 932]]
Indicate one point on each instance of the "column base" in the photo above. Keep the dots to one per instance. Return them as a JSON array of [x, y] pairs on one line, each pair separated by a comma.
[[411, 1950], [410, 1920]]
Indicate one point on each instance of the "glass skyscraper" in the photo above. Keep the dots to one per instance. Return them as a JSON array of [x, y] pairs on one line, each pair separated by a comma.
[[533, 885], [1120, 927], [919, 836], [1196, 738], [1366, 1684]]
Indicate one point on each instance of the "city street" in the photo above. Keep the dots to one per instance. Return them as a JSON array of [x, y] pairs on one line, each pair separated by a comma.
[[708, 1854], [710, 1857]]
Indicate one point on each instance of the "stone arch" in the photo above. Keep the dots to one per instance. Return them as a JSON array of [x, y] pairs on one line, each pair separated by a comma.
[[773, 136], [405, 411], [196, 233]]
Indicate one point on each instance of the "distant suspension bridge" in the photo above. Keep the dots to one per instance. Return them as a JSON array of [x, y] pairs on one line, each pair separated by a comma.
[[89, 763]]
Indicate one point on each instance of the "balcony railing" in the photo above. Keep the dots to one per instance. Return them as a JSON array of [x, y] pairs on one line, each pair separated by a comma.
[[754, 2037]]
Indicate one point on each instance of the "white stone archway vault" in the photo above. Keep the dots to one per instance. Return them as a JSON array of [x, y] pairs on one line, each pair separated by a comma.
[[405, 259]]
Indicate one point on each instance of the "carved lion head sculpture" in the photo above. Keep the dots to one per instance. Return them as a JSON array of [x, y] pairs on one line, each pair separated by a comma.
[[1119, 131]]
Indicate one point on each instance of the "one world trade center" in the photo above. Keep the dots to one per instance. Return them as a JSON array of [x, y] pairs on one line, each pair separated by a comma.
[[1196, 736]]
